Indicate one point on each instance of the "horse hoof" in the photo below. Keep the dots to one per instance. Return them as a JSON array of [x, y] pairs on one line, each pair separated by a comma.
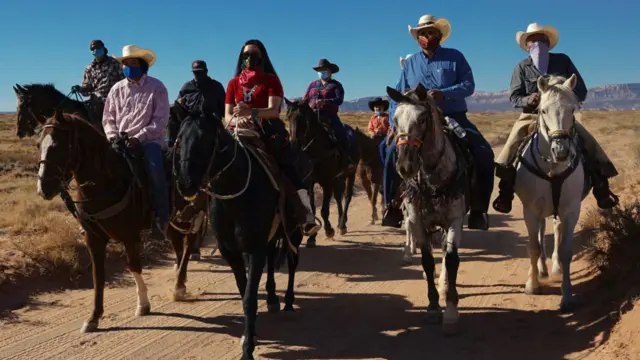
[[407, 260], [530, 289], [343, 231], [433, 316], [273, 308], [89, 327], [289, 308], [179, 294], [243, 338], [175, 267], [311, 243], [330, 233], [569, 306], [372, 222], [449, 328], [143, 310], [195, 257], [543, 275]]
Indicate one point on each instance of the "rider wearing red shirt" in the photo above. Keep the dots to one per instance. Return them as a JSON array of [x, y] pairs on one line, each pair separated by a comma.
[[253, 99]]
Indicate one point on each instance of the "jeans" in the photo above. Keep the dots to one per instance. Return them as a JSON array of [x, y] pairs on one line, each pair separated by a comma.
[[483, 158], [155, 169]]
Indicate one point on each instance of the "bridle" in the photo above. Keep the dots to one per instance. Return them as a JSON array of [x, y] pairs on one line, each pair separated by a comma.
[[404, 138]]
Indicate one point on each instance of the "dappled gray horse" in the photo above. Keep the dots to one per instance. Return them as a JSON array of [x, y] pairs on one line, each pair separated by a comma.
[[550, 181], [437, 181]]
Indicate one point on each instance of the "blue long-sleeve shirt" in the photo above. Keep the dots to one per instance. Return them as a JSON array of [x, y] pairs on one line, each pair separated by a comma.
[[448, 71]]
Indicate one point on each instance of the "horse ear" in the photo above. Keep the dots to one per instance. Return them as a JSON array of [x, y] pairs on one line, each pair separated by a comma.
[[571, 82], [290, 104], [21, 88], [421, 92], [543, 84], [17, 90], [396, 95]]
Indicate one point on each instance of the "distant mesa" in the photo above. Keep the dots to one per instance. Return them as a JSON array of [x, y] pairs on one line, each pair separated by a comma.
[[608, 97]]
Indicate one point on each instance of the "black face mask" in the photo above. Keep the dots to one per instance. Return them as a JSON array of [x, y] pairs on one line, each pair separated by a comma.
[[251, 60], [199, 76]]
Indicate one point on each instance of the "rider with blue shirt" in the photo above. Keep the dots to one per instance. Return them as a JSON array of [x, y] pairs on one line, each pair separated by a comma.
[[448, 75]]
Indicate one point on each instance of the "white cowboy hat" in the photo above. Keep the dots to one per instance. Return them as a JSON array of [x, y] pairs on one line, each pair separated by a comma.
[[404, 60], [426, 21], [134, 51], [535, 28]]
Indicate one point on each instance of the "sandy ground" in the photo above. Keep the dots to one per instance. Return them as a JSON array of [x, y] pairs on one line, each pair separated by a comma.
[[354, 301]]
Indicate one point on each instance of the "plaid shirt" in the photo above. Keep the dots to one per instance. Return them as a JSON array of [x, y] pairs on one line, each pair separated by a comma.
[[327, 98], [99, 77]]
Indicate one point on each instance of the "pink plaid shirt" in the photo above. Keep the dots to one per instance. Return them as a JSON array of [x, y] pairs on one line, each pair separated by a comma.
[[140, 109]]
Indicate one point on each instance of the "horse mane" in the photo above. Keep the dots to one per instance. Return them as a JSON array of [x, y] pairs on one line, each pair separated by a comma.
[[557, 92]]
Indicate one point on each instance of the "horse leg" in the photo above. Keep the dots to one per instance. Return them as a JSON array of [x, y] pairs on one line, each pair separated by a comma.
[[542, 260], [180, 290], [532, 287], [176, 242], [195, 252], [351, 178], [407, 256], [311, 240], [374, 205], [366, 184], [97, 249], [556, 268], [338, 195], [135, 267], [292, 264], [451, 316], [565, 228], [324, 212], [236, 262], [250, 304], [443, 281], [273, 303]]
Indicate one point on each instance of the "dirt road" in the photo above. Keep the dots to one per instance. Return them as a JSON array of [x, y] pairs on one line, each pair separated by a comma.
[[354, 299]]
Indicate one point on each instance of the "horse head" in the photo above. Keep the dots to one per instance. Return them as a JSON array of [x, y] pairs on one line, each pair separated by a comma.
[[416, 118], [58, 154], [556, 115], [299, 114], [26, 119], [195, 148]]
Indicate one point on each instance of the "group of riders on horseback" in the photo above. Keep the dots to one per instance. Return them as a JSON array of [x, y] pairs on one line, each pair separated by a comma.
[[128, 100]]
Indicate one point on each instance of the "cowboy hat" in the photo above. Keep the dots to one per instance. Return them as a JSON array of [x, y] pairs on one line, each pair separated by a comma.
[[535, 28], [324, 64], [136, 52], [379, 101], [427, 21], [404, 60]]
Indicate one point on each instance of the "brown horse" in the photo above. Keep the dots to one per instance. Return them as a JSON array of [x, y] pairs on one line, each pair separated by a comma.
[[111, 202], [370, 169], [38, 102], [307, 131]]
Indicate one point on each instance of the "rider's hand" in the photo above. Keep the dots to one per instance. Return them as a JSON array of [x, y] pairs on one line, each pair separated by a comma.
[[132, 142], [76, 88], [241, 110], [533, 99], [437, 95], [245, 123]]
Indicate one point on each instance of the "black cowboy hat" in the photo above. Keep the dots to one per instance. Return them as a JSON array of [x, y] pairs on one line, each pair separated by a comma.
[[324, 64], [379, 101]]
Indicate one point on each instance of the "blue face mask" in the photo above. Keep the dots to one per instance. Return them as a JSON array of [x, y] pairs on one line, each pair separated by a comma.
[[323, 75], [98, 53], [379, 113], [132, 72]]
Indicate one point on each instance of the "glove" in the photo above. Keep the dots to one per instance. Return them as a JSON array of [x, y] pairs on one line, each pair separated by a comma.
[[76, 88]]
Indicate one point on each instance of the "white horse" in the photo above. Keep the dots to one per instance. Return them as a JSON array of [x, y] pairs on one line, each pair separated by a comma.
[[550, 180], [436, 184]]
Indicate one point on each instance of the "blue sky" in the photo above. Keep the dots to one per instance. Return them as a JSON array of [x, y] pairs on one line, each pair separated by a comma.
[[47, 41]]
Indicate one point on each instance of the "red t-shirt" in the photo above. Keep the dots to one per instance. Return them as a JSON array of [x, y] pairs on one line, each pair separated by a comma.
[[268, 85]]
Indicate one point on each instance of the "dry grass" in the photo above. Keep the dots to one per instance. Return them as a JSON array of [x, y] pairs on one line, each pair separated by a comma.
[[40, 236]]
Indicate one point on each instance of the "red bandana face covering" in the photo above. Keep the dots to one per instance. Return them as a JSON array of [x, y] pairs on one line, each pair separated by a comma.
[[426, 44]]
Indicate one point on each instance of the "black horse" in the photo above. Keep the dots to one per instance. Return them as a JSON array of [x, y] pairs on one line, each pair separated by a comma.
[[308, 133], [242, 211]]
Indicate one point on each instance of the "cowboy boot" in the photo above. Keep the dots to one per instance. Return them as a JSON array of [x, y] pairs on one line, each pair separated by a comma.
[[393, 215], [507, 175], [304, 214], [604, 196]]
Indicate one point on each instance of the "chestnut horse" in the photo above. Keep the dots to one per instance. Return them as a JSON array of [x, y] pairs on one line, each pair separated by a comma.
[[111, 201], [370, 170]]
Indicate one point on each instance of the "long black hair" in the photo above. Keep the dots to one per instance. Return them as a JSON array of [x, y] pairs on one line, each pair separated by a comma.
[[266, 65]]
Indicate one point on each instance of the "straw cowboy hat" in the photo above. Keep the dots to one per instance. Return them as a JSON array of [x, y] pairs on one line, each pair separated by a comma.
[[535, 28], [379, 101], [324, 64], [404, 60], [136, 52], [427, 21]]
